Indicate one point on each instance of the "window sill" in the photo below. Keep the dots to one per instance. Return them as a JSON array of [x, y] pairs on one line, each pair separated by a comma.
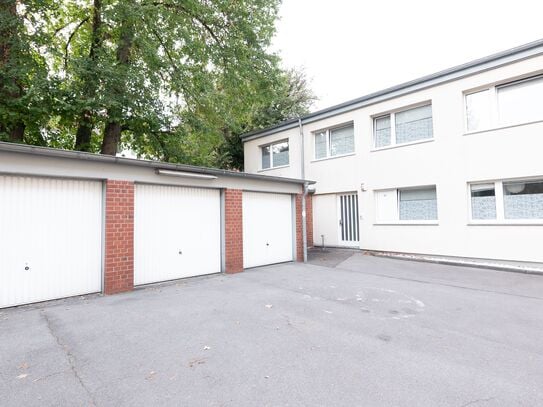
[[532, 222], [402, 145], [273, 168], [316, 160], [408, 223], [508, 126]]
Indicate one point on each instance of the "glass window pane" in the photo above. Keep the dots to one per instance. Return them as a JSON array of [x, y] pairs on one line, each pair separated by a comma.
[[414, 124], [320, 144], [342, 141], [280, 154], [523, 200], [418, 204], [483, 201], [521, 102], [478, 110], [265, 157], [382, 131]]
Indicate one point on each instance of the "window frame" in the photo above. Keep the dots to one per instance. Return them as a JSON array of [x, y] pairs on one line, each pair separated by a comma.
[[272, 167], [397, 220], [392, 115], [500, 220], [328, 131], [494, 113]]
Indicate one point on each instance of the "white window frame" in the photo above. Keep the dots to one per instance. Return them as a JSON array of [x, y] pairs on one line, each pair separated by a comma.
[[495, 123], [392, 114], [271, 167], [500, 207], [397, 220], [328, 132]]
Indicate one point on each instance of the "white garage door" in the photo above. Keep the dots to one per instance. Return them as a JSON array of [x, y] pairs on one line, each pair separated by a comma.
[[50, 239], [267, 228], [177, 233]]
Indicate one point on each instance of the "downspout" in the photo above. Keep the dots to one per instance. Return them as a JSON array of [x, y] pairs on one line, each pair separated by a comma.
[[304, 195]]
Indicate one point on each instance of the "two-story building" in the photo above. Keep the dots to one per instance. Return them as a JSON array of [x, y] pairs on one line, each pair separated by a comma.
[[449, 164]]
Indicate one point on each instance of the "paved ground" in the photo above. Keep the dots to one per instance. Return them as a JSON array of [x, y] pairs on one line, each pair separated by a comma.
[[369, 332]]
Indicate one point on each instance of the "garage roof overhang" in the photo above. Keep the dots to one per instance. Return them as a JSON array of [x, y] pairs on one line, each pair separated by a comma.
[[155, 165]]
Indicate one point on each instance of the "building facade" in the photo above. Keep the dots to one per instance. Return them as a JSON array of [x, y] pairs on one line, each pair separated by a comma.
[[449, 164]]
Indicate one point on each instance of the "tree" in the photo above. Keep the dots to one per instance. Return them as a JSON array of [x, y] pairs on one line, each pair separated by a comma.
[[176, 80]]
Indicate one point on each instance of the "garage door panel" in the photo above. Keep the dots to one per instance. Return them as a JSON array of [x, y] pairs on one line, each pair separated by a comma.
[[267, 228], [176, 233], [50, 235]]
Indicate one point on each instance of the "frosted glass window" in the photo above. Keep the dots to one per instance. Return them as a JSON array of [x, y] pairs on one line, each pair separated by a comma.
[[418, 204], [266, 157], [320, 144], [382, 134], [483, 201], [341, 141], [414, 124], [280, 154], [521, 102], [478, 110], [523, 199], [275, 155]]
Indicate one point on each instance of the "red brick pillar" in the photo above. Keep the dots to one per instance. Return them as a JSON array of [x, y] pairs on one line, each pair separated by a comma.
[[299, 234], [309, 225], [233, 233], [119, 250], [309, 219]]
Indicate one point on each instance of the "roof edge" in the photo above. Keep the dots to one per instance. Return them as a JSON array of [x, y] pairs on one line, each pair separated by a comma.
[[407, 87], [84, 156]]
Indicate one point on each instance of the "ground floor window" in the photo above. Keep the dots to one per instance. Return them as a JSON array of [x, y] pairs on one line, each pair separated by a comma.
[[507, 200], [406, 204]]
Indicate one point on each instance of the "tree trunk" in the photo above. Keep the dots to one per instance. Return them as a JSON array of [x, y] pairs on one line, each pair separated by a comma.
[[112, 132], [8, 9], [85, 125]]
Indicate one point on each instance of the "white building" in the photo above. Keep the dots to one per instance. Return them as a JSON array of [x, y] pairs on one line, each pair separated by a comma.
[[448, 164]]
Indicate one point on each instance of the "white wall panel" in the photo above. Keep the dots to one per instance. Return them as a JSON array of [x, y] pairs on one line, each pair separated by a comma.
[[177, 233], [50, 238], [267, 229]]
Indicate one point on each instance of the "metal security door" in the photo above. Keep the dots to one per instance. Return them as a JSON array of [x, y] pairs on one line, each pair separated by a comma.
[[348, 220]]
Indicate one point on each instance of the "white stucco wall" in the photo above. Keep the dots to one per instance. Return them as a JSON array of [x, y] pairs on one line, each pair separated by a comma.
[[450, 161]]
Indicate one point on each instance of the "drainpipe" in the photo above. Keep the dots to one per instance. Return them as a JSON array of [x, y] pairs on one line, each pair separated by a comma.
[[304, 195]]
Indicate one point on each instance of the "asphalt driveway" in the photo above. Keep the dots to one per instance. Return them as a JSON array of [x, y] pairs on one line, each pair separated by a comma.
[[362, 331]]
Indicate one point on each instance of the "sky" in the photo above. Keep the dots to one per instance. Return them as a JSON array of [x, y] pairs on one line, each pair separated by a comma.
[[349, 48]]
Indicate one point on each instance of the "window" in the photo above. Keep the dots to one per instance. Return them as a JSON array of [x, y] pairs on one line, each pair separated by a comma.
[[334, 142], [407, 126], [275, 155], [483, 201], [507, 200], [513, 103], [409, 204]]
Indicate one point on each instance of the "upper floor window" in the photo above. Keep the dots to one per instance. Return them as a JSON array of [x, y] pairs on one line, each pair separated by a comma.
[[513, 103], [334, 142], [402, 127], [275, 155]]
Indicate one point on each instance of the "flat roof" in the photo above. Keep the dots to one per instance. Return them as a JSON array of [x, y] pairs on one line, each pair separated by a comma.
[[479, 65], [99, 158]]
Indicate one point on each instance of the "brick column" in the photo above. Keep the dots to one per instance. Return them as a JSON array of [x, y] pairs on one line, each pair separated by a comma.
[[233, 233], [119, 242], [309, 219], [309, 225]]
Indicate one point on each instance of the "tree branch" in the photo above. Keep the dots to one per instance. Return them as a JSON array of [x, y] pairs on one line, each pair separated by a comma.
[[67, 46]]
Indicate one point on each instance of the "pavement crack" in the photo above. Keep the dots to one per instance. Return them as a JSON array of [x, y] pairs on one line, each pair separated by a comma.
[[470, 403], [70, 357]]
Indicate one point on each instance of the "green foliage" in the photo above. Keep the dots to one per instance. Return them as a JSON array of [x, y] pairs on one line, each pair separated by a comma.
[[177, 80]]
